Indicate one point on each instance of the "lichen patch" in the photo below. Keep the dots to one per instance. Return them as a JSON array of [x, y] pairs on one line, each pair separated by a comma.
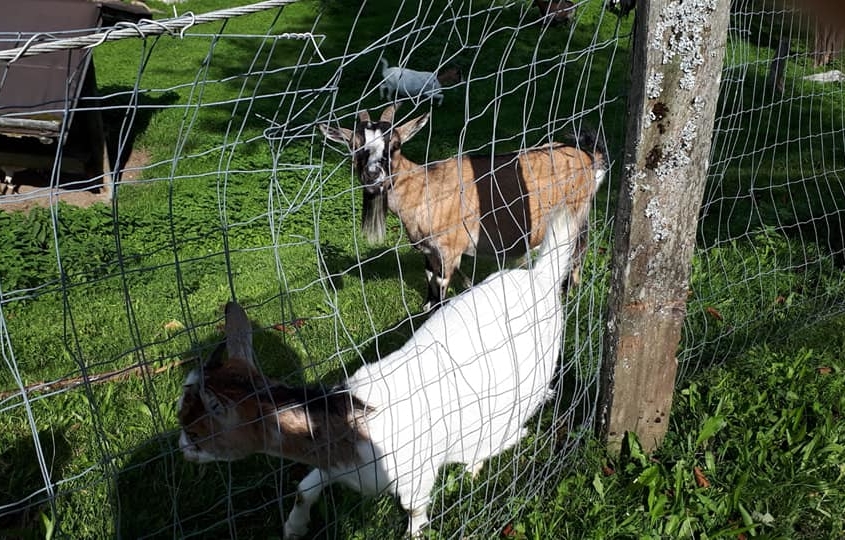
[[680, 33]]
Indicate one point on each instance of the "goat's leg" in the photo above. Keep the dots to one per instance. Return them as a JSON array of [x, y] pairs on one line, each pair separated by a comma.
[[474, 469], [419, 517], [415, 501], [433, 278], [307, 493], [465, 278], [7, 182], [574, 279], [438, 272], [447, 269]]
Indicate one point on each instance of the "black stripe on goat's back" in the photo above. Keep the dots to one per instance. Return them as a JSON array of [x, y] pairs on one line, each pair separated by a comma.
[[502, 203], [333, 401], [513, 187]]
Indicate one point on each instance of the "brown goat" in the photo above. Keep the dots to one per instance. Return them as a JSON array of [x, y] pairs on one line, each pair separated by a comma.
[[491, 205], [560, 12]]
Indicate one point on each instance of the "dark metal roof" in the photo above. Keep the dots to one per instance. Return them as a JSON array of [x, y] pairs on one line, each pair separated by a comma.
[[36, 91]]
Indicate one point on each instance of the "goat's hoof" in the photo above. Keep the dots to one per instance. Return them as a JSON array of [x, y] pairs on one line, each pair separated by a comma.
[[431, 307], [474, 469], [293, 533]]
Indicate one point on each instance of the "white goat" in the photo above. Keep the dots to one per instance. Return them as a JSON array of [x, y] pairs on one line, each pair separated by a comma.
[[409, 83], [459, 391]]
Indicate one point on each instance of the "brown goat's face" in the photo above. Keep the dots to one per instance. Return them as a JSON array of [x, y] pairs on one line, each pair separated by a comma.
[[373, 147], [221, 416]]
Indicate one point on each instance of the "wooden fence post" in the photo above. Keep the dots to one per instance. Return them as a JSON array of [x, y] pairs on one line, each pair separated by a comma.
[[677, 63]]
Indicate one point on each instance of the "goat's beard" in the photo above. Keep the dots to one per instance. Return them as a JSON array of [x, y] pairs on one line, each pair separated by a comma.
[[374, 189], [373, 213]]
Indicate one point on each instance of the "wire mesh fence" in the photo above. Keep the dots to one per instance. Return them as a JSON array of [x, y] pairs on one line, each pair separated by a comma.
[[771, 219], [225, 187]]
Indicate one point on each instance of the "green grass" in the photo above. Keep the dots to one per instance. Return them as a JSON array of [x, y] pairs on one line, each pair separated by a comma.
[[765, 433], [92, 291]]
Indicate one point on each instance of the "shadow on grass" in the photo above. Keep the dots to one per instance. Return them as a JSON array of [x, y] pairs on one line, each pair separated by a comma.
[[162, 495], [159, 494], [776, 161], [288, 76], [773, 217], [125, 117], [538, 80], [22, 504]]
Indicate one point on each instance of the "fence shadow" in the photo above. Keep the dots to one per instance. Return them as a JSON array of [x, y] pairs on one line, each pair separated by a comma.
[[124, 118], [21, 473]]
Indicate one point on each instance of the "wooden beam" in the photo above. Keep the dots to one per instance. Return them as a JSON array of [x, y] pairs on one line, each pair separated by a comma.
[[676, 69]]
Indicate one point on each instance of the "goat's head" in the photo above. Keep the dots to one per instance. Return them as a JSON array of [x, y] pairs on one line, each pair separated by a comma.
[[374, 145], [220, 411]]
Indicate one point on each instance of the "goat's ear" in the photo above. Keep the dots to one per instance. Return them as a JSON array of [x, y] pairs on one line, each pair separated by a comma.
[[341, 135], [238, 334], [411, 127], [388, 113], [212, 403], [215, 359]]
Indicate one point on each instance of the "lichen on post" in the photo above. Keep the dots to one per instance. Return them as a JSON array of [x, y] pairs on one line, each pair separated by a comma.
[[676, 70]]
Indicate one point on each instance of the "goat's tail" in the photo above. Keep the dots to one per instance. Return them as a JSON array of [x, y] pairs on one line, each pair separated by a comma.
[[590, 142], [558, 248], [384, 66]]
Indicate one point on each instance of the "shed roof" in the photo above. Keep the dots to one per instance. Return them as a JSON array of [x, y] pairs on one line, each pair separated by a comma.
[[36, 91]]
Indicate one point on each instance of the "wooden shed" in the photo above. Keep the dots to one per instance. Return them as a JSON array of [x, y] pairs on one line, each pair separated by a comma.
[[51, 128]]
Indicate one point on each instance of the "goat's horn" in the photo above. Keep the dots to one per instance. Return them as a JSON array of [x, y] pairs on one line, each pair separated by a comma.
[[387, 114], [363, 117]]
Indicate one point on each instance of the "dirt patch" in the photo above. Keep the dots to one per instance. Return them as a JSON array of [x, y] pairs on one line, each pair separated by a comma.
[[31, 190], [27, 198], [134, 167]]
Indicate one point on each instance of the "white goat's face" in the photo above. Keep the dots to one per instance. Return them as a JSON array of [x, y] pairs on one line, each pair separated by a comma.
[[373, 147]]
